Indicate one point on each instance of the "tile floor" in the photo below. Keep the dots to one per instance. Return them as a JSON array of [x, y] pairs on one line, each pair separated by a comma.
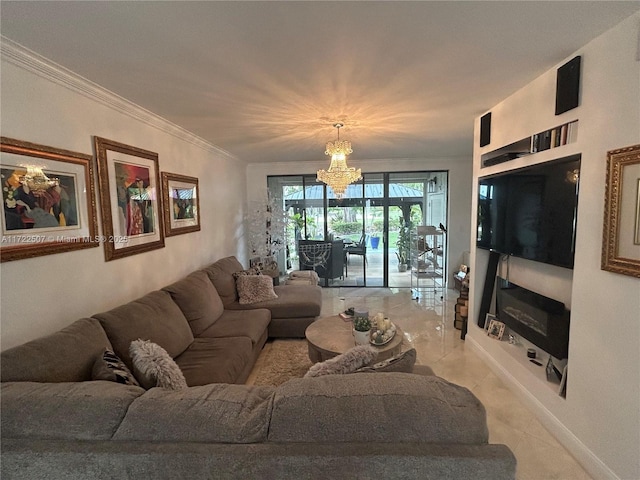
[[428, 326]]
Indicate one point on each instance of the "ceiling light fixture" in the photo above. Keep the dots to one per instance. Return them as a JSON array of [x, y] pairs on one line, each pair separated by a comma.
[[339, 175]]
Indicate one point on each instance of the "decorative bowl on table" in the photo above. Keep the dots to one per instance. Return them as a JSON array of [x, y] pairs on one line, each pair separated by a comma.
[[382, 337]]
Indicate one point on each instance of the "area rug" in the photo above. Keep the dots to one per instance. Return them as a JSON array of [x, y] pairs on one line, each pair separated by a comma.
[[281, 360]]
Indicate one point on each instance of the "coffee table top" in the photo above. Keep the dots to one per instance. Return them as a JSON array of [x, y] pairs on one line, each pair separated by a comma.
[[332, 336]]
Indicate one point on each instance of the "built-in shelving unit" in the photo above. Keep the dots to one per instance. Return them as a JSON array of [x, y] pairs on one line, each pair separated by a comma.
[[552, 138]]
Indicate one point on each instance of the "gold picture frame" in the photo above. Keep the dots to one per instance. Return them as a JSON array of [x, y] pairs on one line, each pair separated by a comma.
[[130, 199], [48, 200], [180, 203], [621, 229]]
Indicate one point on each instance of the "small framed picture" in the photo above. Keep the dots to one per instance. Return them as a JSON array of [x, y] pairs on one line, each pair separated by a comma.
[[180, 204], [488, 319], [496, 329]]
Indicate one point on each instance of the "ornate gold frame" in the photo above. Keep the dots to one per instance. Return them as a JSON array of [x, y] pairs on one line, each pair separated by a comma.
[[36, 242], [616, 217], [118, 244], [172, 226]]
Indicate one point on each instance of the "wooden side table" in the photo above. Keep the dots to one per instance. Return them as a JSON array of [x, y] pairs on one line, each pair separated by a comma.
[[331, 336]]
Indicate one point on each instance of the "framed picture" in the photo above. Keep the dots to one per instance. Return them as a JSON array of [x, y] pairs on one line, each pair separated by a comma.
[[496, 329], [621, 229], [180, 204], [131, 209], [489, 317], [48, 200]]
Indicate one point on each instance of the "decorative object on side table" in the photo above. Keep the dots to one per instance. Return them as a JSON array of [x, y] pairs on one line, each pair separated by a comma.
[[361, 327], [266, 222], [383, 330], [496, 329]]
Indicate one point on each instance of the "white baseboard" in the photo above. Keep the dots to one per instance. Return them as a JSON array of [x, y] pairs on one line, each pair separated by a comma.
[[583, 455]]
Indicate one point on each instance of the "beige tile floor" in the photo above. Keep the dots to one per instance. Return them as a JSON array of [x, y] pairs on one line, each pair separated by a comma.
[[428, 326]]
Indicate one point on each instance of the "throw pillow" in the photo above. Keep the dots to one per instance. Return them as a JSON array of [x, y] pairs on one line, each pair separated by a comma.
[[154, 367], [247, 272], [348, 362], [109, 367], [255, 288], [403, 362]]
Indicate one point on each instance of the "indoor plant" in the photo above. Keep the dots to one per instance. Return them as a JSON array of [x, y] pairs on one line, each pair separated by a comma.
[[361, 327], [403, 244]]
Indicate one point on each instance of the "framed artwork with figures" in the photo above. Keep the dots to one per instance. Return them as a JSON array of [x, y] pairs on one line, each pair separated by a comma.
[[130, 197], [48, 200], [180, 204]]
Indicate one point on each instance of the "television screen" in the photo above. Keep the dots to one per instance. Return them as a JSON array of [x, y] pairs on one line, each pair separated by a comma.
[[531, 212]]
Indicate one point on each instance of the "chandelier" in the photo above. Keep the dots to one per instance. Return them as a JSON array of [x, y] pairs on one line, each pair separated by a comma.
[[36, 180], [339, 175]]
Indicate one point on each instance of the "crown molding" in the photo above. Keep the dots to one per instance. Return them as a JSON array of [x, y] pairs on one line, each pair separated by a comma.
[[31, 61]]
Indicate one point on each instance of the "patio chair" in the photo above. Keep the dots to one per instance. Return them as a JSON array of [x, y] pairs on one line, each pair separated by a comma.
[[359, 248]]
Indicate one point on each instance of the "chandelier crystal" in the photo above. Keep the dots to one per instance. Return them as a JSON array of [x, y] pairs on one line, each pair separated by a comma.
[[339, 175], [36, 180]]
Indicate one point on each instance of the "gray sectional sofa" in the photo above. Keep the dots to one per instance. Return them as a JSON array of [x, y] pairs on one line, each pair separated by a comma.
[[57, 423]]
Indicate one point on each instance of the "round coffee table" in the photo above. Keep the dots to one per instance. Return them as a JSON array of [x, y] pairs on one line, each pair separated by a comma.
[[331, 336]]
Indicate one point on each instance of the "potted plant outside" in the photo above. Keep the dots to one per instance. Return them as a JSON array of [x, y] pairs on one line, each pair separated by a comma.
[[403, 244], [375, 240]]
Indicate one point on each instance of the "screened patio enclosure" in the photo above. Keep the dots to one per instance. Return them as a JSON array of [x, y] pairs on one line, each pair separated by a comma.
[[370, 224]]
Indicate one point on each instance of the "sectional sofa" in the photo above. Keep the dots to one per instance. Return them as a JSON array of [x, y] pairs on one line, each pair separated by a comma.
[[58, 423]]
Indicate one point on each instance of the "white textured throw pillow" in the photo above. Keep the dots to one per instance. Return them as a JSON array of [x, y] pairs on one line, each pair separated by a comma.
[[154, 367], [348, 362], [255, 288]]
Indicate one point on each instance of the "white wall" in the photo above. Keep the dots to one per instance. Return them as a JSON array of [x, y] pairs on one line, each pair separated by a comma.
[[43, 294], [459, 169], [600, 419]]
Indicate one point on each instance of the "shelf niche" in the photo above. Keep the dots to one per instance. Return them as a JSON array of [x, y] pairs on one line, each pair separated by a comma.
[[554, 137]]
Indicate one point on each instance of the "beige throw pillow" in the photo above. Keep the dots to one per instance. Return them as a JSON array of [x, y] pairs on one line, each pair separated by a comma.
[[154, 367], [255, 288]]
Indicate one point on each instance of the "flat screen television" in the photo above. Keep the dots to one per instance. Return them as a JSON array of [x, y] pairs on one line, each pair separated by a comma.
[[531, 212]]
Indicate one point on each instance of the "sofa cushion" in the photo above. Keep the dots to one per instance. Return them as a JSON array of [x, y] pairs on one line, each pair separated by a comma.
[[65, 411], [215, 360], [294, 301], [154, 367], [110, 368], [355, 408], [240, 323], [198, 299], [154, 317], [221, 275], [211, 413], [254, 288], [65, 356]]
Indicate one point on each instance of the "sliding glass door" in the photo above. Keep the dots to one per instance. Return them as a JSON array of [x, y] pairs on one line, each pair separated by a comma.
[[364, 237]]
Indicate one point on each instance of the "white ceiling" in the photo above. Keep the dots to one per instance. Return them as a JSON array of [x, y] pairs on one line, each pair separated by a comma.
[[266, 80]]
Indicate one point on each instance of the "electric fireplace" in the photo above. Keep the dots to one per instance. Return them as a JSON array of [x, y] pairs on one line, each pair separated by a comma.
[[539, 319]]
